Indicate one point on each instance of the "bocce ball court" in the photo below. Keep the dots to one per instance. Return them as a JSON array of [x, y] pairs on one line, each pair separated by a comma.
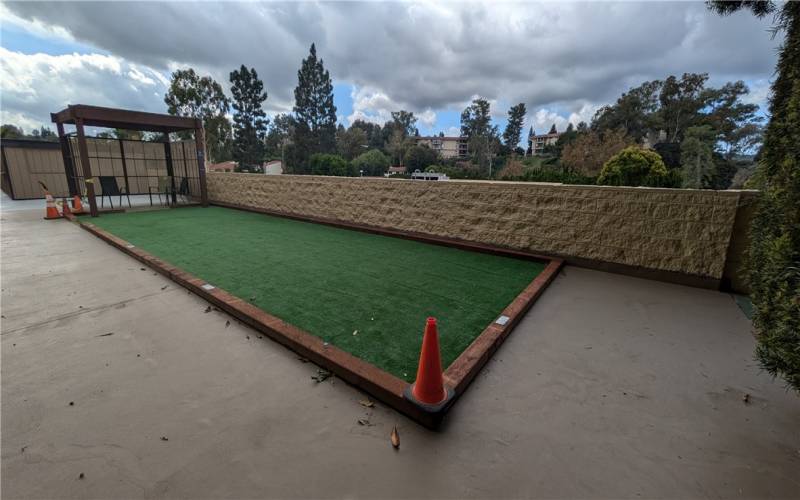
[[354, 300]]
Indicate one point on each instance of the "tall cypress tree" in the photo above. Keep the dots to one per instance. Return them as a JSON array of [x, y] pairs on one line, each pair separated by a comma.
[[513, 132], [774, 258], [249, 119], [314, 112]]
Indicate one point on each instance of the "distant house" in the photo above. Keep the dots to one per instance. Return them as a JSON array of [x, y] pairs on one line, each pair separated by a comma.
[[225, 166], [447, 147], [396, 170], [537, 143], [273, 167]]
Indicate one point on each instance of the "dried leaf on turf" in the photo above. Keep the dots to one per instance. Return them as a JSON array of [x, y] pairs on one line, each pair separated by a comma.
[[366, 403], [364, 421], [395, 438]]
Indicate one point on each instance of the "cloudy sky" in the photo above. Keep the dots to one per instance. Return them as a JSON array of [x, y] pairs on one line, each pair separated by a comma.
[[562, 60]]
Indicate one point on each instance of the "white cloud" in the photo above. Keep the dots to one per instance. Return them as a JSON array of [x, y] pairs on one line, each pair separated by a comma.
[[35, 85], [424, 57]]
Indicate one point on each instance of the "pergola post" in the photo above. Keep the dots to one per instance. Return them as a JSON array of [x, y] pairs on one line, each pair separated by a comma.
[[69, 166], [200, 146], [124, 166], [87, 168], [170, 168]]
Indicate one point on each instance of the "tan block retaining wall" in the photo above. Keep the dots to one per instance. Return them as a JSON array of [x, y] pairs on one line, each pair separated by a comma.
[[677, 235]]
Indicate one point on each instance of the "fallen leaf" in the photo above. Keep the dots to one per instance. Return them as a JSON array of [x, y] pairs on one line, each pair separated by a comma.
[[395, 438], [321, 376], [164, 287], [365, 422], [141, 269], [746, 398], [366, 403], [164, 438], [208, 309], [227, 324], [105, 334]]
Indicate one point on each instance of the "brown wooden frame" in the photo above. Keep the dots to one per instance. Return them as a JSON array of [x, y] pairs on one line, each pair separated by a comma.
[[376, 382]]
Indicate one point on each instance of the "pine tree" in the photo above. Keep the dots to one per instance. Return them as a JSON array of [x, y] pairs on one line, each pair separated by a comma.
[[774, 259], [249, 119], [513, 132], [553, 129], [314, 111]]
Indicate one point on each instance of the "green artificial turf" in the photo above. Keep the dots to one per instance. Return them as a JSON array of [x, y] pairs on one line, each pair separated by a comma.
[[335, 282]]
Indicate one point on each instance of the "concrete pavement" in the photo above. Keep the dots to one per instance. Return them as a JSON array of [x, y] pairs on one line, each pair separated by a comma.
[[610, 387]]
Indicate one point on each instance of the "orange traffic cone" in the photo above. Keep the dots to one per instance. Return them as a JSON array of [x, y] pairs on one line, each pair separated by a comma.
[[65, 211], [428, 391], [77, 206], [51, 212]]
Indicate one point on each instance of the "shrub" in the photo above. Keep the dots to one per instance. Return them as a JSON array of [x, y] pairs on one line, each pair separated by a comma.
[[373, 162], [774, 258], [327, 164], [634, 166], [419, 157]]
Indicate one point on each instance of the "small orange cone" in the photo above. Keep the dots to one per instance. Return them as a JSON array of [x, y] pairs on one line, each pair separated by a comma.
[[51, 212], [65, 211], [77, 206], [428, 391]]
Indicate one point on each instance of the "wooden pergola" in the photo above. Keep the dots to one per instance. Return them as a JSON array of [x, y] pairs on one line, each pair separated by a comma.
[[81, 115]]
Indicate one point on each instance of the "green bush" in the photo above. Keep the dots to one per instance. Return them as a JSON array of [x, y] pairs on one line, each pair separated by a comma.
[[327, 164], [419, 157], [634, 166], [774, 257], [373, 162]]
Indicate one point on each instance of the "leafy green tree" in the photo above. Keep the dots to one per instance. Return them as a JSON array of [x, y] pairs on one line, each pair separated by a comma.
[[404, 121], [569, 136], [477, 121], [314, 111], [9, 131], [476, 125], [249, 120], [373, 163], [279, 136], [737, 123], [44, 134], [634, 166], [513, 132], [697, 156], [351, 142], [328, 164], [419, 157], [375, 139], [633, 111], [774, 260], [202, 97]]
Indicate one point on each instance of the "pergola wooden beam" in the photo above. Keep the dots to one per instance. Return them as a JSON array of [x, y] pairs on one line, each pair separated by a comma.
[[96, 116], [82, 116]]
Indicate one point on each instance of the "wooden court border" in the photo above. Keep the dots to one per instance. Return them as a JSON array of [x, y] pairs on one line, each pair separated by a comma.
[[376, 382]]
